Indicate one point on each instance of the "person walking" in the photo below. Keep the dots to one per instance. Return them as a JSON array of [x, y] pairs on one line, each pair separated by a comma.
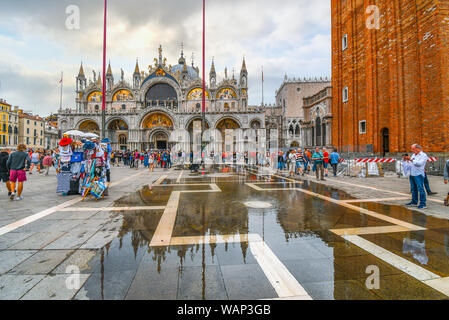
[[291, 163], [300, 162], [16, 164], [318, 164], [334, 159], [4, 172], [47, 162], [35, 161], [326, 162], [446, 181], [416, 164]]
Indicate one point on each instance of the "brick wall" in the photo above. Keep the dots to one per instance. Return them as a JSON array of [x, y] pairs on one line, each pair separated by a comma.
[[397, 76]]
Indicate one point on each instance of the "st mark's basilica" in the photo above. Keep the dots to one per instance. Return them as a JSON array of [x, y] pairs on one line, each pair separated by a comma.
[[159, 109]]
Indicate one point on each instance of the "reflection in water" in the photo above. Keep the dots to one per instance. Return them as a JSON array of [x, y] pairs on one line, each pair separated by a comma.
[[415, 244], [296, 228]]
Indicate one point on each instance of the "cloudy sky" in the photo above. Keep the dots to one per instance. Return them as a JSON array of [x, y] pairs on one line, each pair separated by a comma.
[[287, 37]]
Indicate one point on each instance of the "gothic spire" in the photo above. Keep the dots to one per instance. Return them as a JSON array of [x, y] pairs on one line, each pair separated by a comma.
[[81, 72], [244, 65], [109, 73], [212, 68], [137, 69]]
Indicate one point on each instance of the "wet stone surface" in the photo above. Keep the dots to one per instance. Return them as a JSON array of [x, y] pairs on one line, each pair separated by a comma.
[[227, 229]]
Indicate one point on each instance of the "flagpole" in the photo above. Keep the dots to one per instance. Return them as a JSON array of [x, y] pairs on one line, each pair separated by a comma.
[[103, 107], [62, 84], [203, 122], [263, 102]]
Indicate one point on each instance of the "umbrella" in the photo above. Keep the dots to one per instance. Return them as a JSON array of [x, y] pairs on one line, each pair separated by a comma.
[[75, 133], [91, 135]]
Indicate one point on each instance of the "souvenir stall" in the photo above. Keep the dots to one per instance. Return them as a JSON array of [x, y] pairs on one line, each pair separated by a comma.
[[93, 171]]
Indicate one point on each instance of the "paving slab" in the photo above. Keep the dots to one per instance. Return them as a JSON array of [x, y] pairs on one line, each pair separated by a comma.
[[56, 287], [11, 258], [42, 262], [37, 241], [201, 283], [13, 287], [79, 259], [247, 282], [11, 238]]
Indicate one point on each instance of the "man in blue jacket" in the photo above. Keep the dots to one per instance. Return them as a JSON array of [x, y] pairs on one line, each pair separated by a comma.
[[334, 160]]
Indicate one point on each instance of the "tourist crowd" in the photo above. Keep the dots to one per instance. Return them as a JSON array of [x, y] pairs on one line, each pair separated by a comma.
[[84, 164]]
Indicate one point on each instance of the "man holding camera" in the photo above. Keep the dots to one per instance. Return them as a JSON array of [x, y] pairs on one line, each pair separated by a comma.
[[416, 164]]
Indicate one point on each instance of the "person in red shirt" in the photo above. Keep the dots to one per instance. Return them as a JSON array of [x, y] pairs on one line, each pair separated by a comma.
[[326, 161]]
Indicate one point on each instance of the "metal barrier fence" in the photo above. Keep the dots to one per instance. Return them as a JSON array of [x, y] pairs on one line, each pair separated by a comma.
[[352, 166]]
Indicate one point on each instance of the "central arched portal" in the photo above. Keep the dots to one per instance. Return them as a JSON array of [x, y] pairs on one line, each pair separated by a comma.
[[159, 140], [157, 126]]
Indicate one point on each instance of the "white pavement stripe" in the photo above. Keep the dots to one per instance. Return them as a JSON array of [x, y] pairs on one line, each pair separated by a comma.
[[383, 190], [374, 200], [369, 230], [280, 278], [112, 209], [159, 181], [20, 223], [180, 176], [164, 229], [441, 285], [396, 261]]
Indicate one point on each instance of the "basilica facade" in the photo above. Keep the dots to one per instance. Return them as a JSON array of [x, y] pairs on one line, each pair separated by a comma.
[[161, 105]]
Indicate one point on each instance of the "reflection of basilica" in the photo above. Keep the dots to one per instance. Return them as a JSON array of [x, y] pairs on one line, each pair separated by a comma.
[[161, 105]]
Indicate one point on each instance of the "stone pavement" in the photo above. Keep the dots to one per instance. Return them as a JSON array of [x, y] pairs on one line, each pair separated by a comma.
[[231, 233], [29, 253]]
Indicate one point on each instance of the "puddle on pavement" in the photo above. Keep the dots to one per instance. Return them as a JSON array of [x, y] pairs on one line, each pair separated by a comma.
[[295, 226]]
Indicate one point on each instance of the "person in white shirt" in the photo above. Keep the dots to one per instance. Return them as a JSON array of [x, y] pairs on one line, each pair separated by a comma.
[[416, 165], [291, 162]]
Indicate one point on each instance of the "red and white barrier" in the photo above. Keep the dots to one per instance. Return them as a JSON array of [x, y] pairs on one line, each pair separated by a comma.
[[387, 160]]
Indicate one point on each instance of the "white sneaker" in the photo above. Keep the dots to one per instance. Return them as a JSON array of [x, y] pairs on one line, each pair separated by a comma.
[[12, 196], [18, 198]]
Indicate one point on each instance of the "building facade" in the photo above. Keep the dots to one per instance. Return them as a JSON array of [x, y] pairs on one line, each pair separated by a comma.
[[316, 127], [288, 114], [161, 105], [390, 75], [9, 125], [31, 130], [5, 108]]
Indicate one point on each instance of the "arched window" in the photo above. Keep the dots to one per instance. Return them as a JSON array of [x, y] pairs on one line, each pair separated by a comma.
[[16, 130], [97, 107], [161, 92], [9, 129], [297, 131], [123, 106], [291, 131], [198, 107]]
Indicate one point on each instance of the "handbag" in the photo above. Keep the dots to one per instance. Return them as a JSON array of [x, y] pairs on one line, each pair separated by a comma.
[[77, 157]]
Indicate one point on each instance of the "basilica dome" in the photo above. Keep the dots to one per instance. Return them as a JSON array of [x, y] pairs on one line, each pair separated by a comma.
[[191, 71]]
